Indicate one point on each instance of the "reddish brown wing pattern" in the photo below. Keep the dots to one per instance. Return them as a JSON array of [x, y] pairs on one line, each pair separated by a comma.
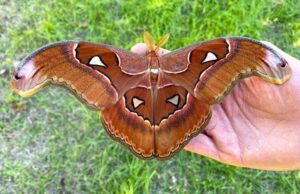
[[89, 70], [209, 70], [133, 128], [122, 68], [156, 129], [188, 118]]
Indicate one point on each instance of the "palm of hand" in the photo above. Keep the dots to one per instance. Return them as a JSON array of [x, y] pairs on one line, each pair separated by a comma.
[[256, 126]]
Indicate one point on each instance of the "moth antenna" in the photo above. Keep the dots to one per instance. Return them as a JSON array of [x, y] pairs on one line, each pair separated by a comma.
[[162, 41], [148, 39]]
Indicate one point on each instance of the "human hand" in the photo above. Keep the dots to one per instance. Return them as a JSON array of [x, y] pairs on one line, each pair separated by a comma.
[[257, 125]]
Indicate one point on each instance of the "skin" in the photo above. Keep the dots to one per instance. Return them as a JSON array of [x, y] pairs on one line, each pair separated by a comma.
[[256, 126]]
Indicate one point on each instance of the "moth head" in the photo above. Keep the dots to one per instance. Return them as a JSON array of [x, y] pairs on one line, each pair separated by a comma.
[[151, 43]]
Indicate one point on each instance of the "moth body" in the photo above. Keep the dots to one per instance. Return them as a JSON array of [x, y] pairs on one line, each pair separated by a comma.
[[153, 68]]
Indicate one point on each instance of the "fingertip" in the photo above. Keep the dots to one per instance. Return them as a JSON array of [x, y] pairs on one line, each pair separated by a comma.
[[139, 48], [162, 51]]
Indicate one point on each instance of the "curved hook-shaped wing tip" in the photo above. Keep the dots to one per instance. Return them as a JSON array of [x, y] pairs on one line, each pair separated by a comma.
[[19, 85]]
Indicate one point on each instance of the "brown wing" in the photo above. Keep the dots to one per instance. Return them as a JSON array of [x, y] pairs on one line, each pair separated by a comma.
[[156, 124], [209, 70], [183, 117], [128, 121], [98, 74]]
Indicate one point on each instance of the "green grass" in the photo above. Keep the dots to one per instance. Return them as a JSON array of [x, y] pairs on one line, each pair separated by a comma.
[[50, 143]]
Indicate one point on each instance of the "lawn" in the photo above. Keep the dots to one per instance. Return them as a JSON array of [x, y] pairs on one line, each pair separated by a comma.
[[50, 143]]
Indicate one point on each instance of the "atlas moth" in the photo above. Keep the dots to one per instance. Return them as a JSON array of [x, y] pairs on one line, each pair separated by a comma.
[[154, 104]]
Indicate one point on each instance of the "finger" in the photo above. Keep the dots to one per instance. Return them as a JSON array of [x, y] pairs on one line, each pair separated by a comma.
[[203, 145], [220, 145], [218, 141], [211, 147], [162, 51], [141, 49]]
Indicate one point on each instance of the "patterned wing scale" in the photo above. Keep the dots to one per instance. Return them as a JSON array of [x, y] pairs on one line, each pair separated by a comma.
[[159, 131], [169, 100], [209, 70], [122, 71], [139, 101], [91, 71], [129, 122], [187, 117]]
